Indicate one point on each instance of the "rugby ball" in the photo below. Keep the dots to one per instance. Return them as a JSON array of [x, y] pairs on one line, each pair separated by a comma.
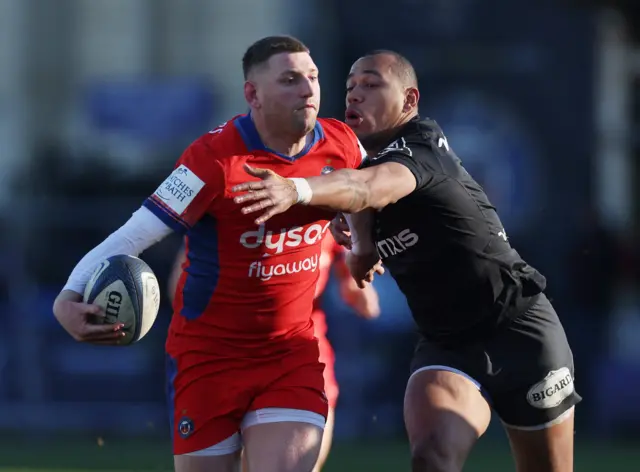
[[127, 289]]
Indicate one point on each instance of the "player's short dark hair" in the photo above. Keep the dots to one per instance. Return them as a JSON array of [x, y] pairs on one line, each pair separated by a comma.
[[262, 50], [402, 66]]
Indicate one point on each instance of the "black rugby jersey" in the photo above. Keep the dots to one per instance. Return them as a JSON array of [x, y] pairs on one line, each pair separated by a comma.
[[445, 246]]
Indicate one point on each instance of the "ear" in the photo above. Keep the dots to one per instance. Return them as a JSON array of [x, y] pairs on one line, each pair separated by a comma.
[[251, 94], [411, 99]]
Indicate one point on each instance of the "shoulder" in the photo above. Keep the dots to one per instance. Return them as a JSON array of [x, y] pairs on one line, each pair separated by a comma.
[[222, 140], [339, 135], [421, 139], [336, 130], [425, 133], [217, 146], [421, 149]]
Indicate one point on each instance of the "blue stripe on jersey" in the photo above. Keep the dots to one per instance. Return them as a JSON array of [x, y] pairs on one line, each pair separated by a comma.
[[203, 269], [171, 371], [247, 129], [165, 215]]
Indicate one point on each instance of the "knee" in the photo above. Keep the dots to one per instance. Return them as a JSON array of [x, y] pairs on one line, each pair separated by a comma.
[[434, 453]]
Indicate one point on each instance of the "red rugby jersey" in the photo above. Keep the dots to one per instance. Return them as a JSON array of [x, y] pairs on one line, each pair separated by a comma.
[[245, 285]]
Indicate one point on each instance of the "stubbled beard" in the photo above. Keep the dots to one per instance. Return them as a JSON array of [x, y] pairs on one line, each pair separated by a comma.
[[303, 127]]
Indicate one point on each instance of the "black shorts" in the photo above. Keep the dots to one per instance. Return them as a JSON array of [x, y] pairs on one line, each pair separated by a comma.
[[525, 371]]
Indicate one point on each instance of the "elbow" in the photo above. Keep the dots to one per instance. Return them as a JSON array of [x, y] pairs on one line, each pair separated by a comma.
[[378, 205], [379, 202], [379, 196]]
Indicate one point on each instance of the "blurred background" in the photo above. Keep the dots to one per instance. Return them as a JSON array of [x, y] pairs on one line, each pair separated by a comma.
[[540, 99]]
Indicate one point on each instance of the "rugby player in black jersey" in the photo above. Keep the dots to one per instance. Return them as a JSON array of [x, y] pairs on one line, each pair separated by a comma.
[[490, 339]]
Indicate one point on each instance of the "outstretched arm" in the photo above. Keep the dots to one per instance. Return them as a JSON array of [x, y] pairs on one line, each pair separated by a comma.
[[141, 231], [344, 190], [350, 190]]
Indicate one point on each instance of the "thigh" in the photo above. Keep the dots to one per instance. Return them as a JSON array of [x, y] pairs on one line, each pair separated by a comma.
[[203, 461], [531, 384], [327, 441], [293, 382], [549, 449], [444, 410], [206, 403], [282, 446], [283, 430]]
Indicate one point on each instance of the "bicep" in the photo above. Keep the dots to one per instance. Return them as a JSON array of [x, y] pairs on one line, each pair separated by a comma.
[[388, 182]]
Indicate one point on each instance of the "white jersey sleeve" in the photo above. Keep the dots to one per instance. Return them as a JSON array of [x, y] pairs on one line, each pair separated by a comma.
[[140, 232]]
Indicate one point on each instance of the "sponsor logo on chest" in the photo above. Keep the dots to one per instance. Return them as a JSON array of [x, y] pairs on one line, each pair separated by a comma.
[[397, 243], [279, 242]]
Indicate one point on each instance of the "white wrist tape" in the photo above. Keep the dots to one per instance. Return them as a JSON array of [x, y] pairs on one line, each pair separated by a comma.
[[303, 189]]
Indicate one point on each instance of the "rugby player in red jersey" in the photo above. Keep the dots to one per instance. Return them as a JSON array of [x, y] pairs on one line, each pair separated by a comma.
[[242, 357]]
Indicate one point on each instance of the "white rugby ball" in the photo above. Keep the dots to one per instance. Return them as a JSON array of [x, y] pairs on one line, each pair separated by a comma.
[[128, 291]]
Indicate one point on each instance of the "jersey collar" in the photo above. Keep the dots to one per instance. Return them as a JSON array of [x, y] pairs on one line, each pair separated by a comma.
[[251, 138]]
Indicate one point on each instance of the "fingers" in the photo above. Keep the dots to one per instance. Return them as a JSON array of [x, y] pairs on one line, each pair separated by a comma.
[[340, 231], [110, 338], [343, 239], [91, 309], [373, 310], [368, 277], [254, 196], [251, 196], [377, 269], [247, 186], [362, 280], [341, 226], [89, 332], [252, 187], [261, 205], [114, 342], [257, 172], [267, 215]]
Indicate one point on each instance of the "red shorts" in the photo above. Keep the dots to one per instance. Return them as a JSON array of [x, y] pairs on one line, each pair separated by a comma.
[[209, 396], [327, 357]]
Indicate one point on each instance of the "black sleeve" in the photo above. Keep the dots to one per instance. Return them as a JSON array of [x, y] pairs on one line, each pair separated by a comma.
[[418, 159]]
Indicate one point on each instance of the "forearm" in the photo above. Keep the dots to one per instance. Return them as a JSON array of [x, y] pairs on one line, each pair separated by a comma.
[[345, 190], [67, 296], [361, 227], [139, 233]]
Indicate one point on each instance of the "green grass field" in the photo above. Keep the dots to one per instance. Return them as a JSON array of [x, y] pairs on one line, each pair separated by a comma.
[[123, 455]]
